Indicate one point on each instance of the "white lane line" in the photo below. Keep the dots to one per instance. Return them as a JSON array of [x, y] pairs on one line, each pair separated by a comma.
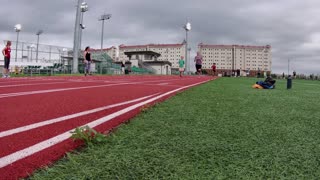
[[169, 85], [57, 90], [64, 118], [124, 81], [11, 158], [76, 88], [25, 80], [16, 85], [161, 84]]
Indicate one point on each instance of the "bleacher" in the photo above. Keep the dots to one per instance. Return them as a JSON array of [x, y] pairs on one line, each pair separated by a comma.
[[137, 70]]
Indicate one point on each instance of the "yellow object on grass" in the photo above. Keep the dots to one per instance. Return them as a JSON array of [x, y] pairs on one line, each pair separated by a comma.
[[257, 86]]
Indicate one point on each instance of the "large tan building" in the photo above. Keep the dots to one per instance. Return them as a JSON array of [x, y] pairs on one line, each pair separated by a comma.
[[169, 52], [112, 52], [230, 58]]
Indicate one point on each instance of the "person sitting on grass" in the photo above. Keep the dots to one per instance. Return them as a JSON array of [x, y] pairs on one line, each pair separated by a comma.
[[268, 83]]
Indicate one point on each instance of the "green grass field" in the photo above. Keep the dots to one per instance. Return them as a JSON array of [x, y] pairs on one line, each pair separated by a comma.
[[221, 130]]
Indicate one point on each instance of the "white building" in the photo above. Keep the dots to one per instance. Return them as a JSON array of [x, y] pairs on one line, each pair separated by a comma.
[[112, 52], [149, 60], [230, 58], [168, 52]]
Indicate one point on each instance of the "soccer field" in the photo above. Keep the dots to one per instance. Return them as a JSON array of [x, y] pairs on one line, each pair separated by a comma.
[[220, 130]]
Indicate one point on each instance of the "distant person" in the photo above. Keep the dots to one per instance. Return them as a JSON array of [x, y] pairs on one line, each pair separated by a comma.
[[129, 69], [198, 60], [259, 73], [7, 54], [214, 68], [294, 74], [283, 75], [123, 67], [248, 72], [181, 65], [87, 61], [238, 72]]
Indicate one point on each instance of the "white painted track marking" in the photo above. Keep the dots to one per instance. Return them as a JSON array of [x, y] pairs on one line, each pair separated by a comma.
[[11, 158], [16, 85], [58, 90], [64, 118], [68, 89]]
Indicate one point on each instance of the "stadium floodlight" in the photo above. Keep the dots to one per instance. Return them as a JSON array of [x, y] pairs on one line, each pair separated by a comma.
[[38, 34], [84, 7], [187, 27], [103, 18], [17, 28]]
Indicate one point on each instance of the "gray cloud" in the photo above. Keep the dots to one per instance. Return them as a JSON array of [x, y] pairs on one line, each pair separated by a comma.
[[289, 26]]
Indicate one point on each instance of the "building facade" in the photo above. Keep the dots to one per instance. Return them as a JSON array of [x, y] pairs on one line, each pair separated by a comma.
[[112, 52], [169, 52], [249, 60]]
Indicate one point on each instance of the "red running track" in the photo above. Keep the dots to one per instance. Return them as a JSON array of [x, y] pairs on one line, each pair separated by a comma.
[[37, 114]]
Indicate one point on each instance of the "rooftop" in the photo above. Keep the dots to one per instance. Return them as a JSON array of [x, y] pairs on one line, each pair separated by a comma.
[[152, 53], [231, 46]]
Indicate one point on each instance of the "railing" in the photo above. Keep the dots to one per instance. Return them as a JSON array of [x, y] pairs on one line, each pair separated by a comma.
[[142, 65]]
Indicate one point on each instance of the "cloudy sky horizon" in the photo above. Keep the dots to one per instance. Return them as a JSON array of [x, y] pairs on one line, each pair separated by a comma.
[[290, 27]]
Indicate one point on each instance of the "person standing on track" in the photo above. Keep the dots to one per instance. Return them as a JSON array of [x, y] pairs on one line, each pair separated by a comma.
[[6, 53], [87, 61], [181, 66], [198, 61], [123, 67], [214, 67]]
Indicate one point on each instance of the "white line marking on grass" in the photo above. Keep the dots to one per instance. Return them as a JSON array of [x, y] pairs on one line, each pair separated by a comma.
[[15, 85], [64, 118], [308, 84], [11, 158]]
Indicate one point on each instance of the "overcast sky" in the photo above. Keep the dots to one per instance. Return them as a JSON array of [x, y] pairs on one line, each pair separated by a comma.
[[291, 27]]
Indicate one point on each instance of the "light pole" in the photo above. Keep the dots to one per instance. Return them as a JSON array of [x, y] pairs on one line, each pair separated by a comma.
[[38, 34], [28, 47], [31, 48], [187, 27], [84, 8], [288, 67], [17, 28], [103, 18], [79, 8], [189, 49]]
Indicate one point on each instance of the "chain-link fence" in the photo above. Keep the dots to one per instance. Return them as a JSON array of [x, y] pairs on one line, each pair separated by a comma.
[[26, 53], [32, 59]]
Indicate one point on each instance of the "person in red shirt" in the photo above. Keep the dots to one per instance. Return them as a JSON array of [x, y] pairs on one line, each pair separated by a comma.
[[6, 53], [214, 68]]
